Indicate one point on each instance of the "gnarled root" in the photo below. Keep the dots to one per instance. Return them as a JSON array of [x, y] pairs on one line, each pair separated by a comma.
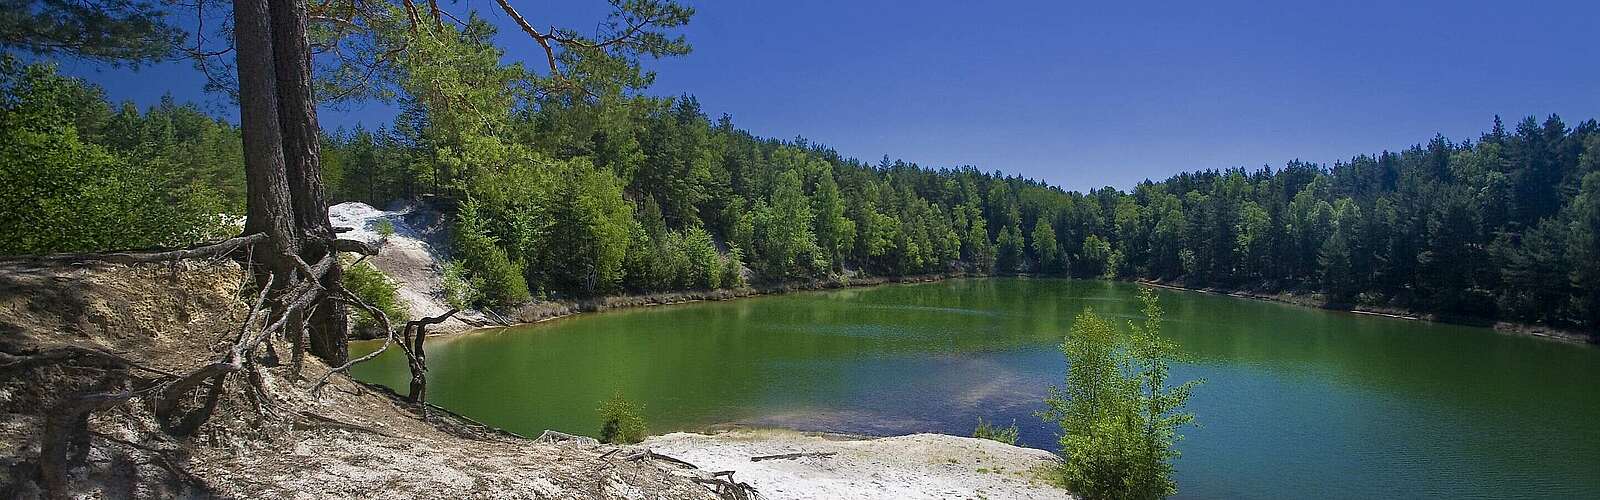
[[285, 299]]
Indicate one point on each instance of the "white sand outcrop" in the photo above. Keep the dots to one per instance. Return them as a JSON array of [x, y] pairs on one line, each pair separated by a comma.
[[413, 257], [900, 467]]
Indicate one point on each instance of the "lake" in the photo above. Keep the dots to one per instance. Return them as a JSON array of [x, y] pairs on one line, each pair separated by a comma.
[[1297, 402]]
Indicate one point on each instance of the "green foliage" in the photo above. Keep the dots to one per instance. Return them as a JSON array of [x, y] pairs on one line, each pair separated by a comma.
[[1118, 416], [1097, 259], [783, 228], [384, 228], [1046, 248], [1011, 245], [733, 269], [63, 194], [1339, 256], [621, 421], [498, 280], [705, 266], [115, 31], [986, 430], [835, 232], [461, 290], [1583, 244], [377, 290], [589, 230]]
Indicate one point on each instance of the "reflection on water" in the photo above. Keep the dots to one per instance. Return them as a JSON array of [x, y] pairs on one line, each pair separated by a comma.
[[1297, 401]]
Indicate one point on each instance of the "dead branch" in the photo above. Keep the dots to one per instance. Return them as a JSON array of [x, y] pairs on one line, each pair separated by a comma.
[[791, 456], [648, 454], [327, 421], [550, 437], [355, 246], [728, 489], [417, 332]]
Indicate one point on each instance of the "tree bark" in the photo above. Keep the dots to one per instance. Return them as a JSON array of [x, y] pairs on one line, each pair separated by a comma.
[[268, 206], [302, 152], [297, 116]]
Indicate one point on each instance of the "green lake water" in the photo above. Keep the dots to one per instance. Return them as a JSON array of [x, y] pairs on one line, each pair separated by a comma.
[[1297, 402]]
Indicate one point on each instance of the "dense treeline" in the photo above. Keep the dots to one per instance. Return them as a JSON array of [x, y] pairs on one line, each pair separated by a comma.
[[634, 193], [1507, 225], [621, 192], [80, 174]]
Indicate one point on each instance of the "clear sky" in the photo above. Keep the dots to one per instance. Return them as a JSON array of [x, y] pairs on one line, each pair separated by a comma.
[[1087, 94]]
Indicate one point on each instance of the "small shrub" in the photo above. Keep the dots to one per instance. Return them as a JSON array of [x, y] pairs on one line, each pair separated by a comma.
[[1118, 415], [704, 265], [374, 288], [622, 422], [461, 291], [733, 269], [384, 228], [986, 430], [675, 263]]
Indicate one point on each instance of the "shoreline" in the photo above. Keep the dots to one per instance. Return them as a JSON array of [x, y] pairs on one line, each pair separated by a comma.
[[551, 310], [544, 311], [1313, 301]]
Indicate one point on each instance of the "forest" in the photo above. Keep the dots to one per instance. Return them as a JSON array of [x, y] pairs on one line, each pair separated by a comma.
[[617, 191]]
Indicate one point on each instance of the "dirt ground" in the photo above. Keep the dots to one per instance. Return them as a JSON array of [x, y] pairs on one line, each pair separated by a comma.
[[348, 440]]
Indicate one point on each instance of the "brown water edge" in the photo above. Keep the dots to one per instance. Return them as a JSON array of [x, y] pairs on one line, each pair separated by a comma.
[[1317, 300]]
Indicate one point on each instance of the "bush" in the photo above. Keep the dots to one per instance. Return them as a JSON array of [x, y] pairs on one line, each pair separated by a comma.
[[498, 280], [674, 262], [705, 267], [460, 289], [1118, 418], [384, 228], [986, 430], [374, 288], [733, 269], [622, 422]]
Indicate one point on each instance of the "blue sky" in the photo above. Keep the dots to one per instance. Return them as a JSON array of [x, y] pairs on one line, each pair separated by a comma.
[[1087, 94]]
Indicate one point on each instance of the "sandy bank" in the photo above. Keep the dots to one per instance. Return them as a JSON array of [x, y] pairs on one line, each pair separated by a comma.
[[900, 467]]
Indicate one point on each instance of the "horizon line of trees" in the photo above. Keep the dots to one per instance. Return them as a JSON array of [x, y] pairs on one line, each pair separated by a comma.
[[634, 193]]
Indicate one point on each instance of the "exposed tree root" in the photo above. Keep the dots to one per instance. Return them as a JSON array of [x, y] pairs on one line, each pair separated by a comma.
[[282, 303]]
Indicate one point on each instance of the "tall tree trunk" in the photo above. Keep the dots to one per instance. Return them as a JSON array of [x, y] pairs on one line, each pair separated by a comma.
[[297, 117], [268, 207]]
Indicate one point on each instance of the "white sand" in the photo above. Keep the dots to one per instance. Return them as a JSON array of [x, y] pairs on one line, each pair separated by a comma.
[[900, 467], [412, 257]]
